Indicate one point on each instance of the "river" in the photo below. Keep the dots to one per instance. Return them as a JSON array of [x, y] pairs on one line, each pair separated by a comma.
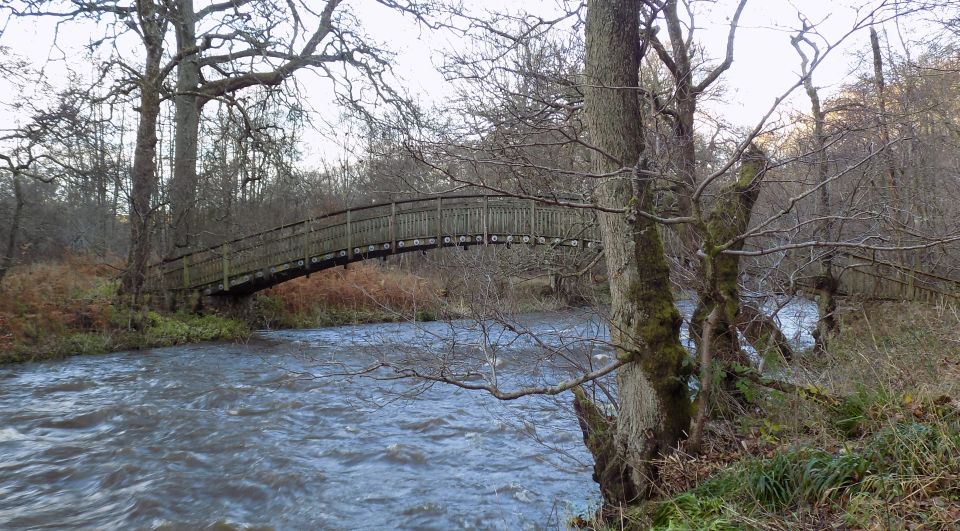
[[268, 435]]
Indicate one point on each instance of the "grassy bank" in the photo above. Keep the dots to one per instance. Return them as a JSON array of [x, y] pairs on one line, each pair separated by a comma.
[[54, 310], [870, 441]]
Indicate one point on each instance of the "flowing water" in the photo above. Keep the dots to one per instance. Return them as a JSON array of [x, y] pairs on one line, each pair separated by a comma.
[[270, 435]]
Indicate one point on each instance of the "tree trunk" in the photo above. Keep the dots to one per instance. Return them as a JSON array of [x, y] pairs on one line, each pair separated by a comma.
[[14, 228], [644, 322], [763, 333], [825, 282], [187, 103], [721, 287], [891, 166], [695, 443], [144, 177]]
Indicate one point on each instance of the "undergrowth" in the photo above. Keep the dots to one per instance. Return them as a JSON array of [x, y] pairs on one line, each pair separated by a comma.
[[363, 293], [910, 469], [884, 453], [71, 307]]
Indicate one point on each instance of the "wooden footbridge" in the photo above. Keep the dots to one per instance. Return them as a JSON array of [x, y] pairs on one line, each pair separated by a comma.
[[258, 261], [255, 262]]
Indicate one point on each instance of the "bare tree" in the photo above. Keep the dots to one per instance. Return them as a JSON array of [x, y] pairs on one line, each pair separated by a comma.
[[826, 282], [152, 28], [253, 55]]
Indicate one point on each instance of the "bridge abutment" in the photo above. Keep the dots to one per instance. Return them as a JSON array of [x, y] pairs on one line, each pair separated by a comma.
[[241, 307]]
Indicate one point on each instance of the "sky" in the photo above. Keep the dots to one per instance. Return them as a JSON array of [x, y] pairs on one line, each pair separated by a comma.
[[765, 64]]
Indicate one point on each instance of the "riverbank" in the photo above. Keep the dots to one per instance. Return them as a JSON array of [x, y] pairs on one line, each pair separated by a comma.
[[60, 309], [55, 310], [367, 293], [869, 440], [71, 307]]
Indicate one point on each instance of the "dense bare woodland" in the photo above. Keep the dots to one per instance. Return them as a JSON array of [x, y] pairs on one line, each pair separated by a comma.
[[189, 125]]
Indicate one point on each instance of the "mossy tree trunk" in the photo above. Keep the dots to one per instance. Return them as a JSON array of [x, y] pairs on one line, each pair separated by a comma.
[[721, 287], [644, 322]]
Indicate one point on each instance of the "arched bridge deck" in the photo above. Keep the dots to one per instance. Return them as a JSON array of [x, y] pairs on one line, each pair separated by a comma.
[[258, 261]]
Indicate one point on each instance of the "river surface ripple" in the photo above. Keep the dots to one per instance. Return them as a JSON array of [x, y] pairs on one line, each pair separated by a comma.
[[203, 435], [243, 436]]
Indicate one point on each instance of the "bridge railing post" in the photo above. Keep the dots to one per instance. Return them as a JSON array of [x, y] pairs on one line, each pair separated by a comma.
[[307, 234], [349, 237], [486, 218], [393, 227], [533, 222], [225, 252], [440, 221]]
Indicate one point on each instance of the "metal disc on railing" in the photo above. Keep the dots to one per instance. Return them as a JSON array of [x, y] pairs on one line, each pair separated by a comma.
[[479, 238], [463, 239], [432, 241], [574, 243], [493, 238], [371, 247], [416, 243], [446, 239], [541, 239], [401, 243], [510, 238], [526, 239], [300, 263], [343, 253], [386, 246]]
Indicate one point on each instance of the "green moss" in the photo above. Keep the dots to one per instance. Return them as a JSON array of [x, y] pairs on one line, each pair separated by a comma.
[[727, 220], [610, 471], [661, 356]]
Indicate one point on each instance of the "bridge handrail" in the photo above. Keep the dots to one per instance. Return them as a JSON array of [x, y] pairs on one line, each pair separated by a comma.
[[425, 198], [928, 275]]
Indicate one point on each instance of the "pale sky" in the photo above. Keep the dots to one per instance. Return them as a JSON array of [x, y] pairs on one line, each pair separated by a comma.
[[764, 66]]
